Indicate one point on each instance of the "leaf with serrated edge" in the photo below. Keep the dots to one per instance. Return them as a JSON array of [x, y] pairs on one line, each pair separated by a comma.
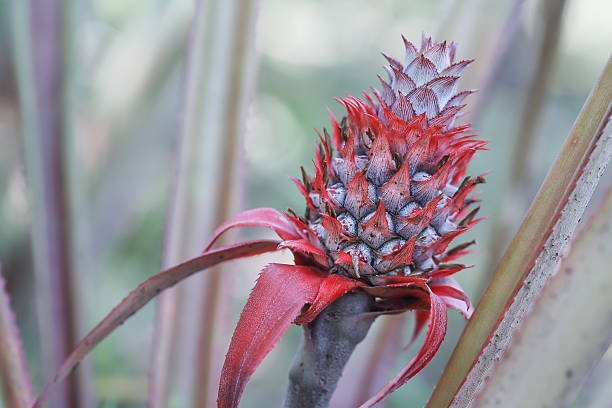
[[276, 299], [147, 291]]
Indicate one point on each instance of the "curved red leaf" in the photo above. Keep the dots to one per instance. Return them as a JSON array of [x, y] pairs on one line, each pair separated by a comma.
[[331, 289], [420, 318], [435, 335], [276, 299], [451, 293], [146, 291], [258, 217], [302, 246]]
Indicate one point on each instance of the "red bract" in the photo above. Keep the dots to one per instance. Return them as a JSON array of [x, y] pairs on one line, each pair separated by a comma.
[[388, 197]]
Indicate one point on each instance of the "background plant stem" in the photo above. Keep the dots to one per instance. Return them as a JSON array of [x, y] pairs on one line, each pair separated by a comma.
[[40, 60], [16, 382]]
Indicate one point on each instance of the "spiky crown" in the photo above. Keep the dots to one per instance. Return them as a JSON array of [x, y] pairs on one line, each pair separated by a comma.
[[389, 193]]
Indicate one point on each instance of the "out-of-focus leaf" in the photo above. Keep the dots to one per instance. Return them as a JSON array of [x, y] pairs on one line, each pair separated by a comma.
[[568, 330], [534, 252], [16, 383], [146, 291], [42, 45], [276, 299]]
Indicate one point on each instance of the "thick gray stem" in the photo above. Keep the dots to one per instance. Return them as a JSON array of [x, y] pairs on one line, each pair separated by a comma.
[[327, 345]]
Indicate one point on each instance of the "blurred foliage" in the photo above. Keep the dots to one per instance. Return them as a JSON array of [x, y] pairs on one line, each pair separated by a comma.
[[127, 61]]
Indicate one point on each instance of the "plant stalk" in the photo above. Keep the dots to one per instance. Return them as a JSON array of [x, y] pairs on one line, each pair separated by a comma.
[[16, 382], [328, 342]]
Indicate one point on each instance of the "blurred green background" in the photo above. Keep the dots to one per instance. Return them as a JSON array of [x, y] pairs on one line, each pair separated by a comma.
[[125, 78]]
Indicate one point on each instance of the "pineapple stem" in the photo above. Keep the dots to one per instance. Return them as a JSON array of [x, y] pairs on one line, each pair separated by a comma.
[[328, 342]]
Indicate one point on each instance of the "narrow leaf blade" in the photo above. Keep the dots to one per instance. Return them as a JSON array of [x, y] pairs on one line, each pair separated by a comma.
[[259, 217], [146, 291]]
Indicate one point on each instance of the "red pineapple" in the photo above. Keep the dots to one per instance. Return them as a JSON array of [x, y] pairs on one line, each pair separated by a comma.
[[388, 196]]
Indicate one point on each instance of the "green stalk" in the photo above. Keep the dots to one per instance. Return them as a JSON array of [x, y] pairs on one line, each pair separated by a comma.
[[568, 330], [542, 236]]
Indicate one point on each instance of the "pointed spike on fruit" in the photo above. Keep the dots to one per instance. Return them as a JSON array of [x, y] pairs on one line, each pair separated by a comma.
[[334, 237], [411, 224], [468, 218], [426, 188], [402, 107], [444, 88], [335, 131], [375, 231], [425, 42], [401, 257], [421, 70], [458, 99], [439, 55], [357, 201], [396, 192], [411, 51], [421, 152], [381, 165], [306, 179], [395, 64], [303, 191], [424, 100], [402, 82], [457, 68]]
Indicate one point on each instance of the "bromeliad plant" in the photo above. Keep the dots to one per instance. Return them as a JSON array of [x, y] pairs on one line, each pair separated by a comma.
[[388, 196]]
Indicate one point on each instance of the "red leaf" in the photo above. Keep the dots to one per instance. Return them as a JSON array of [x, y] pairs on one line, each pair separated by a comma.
[[258, 217], [435, 335], [302, 246], [276, 299], [146, 291], [451, 293], [331, 289], [420, 318]]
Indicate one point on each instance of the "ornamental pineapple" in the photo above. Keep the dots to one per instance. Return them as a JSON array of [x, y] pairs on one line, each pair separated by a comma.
[[389, 193]]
